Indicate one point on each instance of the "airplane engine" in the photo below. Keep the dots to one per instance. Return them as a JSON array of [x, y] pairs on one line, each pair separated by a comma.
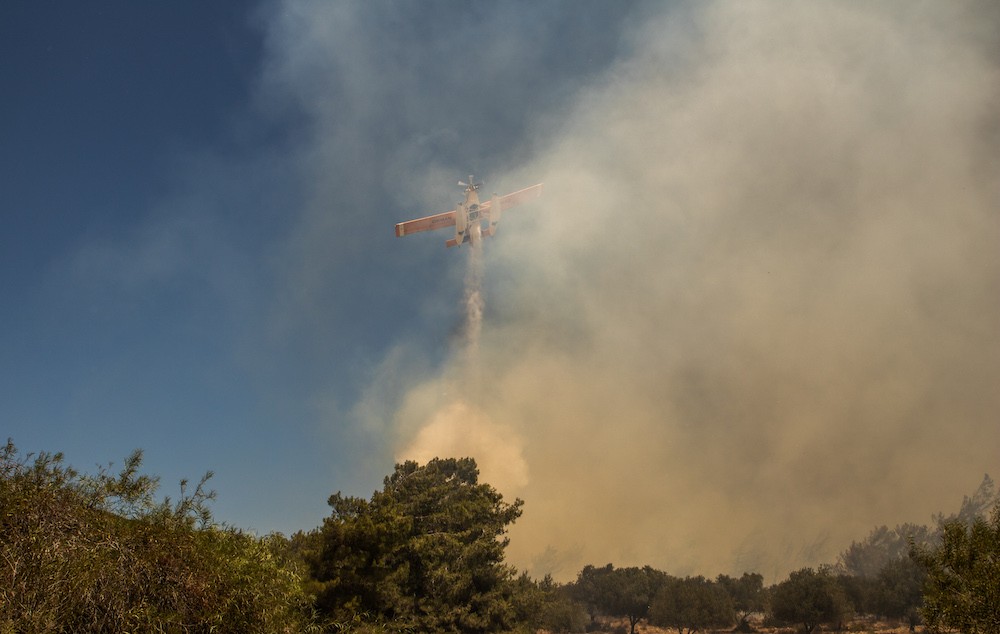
[[461, 223], [494, 215]]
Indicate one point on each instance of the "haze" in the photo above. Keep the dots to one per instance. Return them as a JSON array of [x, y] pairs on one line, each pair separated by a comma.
[[754, 314]]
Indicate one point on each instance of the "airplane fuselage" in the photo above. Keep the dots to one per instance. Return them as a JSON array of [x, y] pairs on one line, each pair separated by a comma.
[[468, 226]]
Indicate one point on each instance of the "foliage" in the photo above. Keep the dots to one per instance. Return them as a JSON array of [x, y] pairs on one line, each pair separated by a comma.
[[975, 506], [747, 594], [962, 590], [899, 591], [883, 579], [546, 605], [881, 547], [97, 553], [587, 589], [809, 597], [860, 593], [622, 592], [561, 614], [425, 553], [528, 599], [691, 604]]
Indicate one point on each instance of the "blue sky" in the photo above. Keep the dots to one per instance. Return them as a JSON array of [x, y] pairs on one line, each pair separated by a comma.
[[160, 172], [757, 299]]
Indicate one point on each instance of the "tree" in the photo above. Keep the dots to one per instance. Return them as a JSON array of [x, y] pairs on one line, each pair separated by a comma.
[[883, 545], [881, 577], [632, 592], [899, 591], [561, 614], [625, 592], [588, 588], [547, 605], [747, 594], [974, 506], [962, 590], [691, 604], [809, 597], [426, 552]]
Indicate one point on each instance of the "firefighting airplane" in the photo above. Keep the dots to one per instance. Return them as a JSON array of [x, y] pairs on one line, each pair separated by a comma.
[[469, 216]]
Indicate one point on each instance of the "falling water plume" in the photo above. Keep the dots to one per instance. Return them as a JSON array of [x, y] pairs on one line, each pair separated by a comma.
[[460, 426], [473, 302]]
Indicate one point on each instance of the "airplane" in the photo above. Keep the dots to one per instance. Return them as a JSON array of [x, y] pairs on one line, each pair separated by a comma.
[[469, 216]]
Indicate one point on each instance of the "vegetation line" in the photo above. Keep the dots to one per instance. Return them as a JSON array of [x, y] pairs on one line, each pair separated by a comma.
[[100, 553]]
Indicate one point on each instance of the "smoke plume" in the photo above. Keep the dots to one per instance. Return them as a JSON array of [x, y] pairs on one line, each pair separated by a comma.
[[455, 424], [754, 314]]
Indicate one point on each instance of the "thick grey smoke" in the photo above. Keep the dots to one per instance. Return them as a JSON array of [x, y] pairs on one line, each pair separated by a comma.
[[755, 312]]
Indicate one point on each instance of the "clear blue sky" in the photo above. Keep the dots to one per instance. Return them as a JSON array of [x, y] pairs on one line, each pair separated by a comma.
[[757, 301]]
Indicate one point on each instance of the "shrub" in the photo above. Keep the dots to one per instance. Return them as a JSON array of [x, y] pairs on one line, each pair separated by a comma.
[[97, 553]]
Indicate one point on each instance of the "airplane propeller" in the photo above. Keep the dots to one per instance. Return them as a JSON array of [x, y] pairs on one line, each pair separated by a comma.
[[472, 183]]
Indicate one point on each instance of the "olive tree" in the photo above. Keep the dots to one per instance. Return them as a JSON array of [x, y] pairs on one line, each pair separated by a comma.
[[620, 592], [747, 594], [962, 590], [810, 598], [691, 604]]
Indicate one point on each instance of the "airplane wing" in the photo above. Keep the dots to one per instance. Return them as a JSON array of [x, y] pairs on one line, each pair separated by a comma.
[[447, 219], [430, 223], [514, 198]]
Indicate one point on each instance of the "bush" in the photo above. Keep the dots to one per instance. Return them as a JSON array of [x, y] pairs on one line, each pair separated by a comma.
[[98, 553], [810, 598]]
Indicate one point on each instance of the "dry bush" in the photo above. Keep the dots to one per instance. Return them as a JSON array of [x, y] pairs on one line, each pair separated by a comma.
[[98, 553]]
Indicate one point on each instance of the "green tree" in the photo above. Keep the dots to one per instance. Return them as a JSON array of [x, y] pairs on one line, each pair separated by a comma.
[[425, 553], [546, 605], [962, 590], [899, 591], [809, 597], [747, 594], [691, 604], [862, 593], [623, 592], [561, 614], [632, 592], [588, 589]]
